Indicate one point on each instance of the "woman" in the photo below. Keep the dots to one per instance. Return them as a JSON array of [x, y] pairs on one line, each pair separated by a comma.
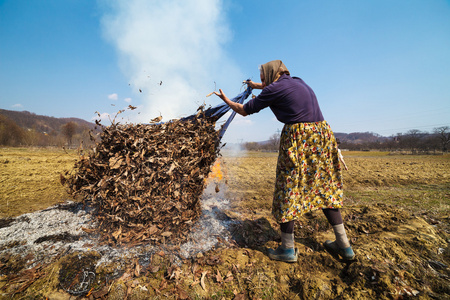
[[308, 173]]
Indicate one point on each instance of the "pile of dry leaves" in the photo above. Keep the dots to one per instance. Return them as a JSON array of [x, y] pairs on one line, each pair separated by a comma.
[[145, 181]]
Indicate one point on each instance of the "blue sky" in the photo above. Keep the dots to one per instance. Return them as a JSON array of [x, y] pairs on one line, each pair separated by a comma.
[[378, 66]]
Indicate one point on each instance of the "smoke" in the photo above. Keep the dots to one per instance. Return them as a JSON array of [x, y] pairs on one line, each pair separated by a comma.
[[171, 51]]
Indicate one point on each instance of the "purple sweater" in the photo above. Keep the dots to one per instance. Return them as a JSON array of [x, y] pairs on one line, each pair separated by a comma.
[[290, 99]]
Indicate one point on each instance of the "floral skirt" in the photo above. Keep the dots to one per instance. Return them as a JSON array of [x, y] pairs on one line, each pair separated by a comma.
[[309, 175]]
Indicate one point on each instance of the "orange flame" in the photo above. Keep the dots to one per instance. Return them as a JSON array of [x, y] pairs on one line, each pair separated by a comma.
[[216, 171]]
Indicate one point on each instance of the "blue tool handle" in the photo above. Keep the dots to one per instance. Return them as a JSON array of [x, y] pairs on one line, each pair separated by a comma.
[[240, 99]]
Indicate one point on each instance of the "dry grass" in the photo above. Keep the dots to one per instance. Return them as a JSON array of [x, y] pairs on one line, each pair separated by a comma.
[[29, 179]]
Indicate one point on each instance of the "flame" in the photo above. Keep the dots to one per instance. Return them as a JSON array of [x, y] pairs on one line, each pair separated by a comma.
[[216, 171]]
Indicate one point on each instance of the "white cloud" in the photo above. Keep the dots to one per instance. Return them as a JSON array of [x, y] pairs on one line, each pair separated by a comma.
[[172, 51], [18, 105], [113, 96], [127, 100], [104, 118]]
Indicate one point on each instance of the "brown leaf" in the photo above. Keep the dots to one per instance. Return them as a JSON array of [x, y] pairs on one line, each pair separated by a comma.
[[196, 281], [240, 296], [202, 280], [153, 269], [175, 274], [88, 230], [229, 277], [152, 230], [116, 233], [115, 162], [182, 294], [195, 268], [101, 293], [163, 284], [137, 269], [214, 260], [219, 278]]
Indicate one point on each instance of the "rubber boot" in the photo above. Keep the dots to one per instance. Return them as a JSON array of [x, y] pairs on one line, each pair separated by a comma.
[[345, 253], [282, 254]]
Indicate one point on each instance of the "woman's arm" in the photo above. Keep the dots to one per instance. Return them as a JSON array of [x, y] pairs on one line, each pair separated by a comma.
[[237, 107], [255, 85]]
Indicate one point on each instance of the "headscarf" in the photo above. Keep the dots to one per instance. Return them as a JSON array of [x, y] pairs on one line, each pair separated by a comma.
[[273, 70]]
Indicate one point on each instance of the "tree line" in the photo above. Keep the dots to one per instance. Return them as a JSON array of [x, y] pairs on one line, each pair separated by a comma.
[[413, 141], [72, 134], [69, 135]]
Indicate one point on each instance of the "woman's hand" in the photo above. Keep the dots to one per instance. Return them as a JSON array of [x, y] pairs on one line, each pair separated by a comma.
[[221, 95], [255, 85]]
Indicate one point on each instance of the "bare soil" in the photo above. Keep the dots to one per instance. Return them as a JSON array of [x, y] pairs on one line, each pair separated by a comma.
[[396, 214]]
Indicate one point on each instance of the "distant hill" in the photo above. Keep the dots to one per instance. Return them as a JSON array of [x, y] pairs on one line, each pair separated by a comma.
[[23, 128], [353, 138], [359, 137], [43, 124]]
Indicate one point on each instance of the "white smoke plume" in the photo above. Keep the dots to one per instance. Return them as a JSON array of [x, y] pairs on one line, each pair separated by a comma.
[[171, 51]]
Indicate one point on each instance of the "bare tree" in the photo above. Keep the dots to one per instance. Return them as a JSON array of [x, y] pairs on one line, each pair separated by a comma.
[[69, 130], [274, 142], [252, 146], [443, 134], [10, 133], [411, 139]]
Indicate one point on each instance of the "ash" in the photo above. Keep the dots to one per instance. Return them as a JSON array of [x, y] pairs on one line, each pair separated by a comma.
[[58, 230], [213, 224]]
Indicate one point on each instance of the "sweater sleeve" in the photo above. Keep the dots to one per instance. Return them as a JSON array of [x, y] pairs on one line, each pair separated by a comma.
[[263, 100]]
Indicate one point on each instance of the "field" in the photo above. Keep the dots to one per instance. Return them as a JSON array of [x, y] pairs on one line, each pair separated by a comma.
[[29, 179], [396, 213], [413, 182]]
